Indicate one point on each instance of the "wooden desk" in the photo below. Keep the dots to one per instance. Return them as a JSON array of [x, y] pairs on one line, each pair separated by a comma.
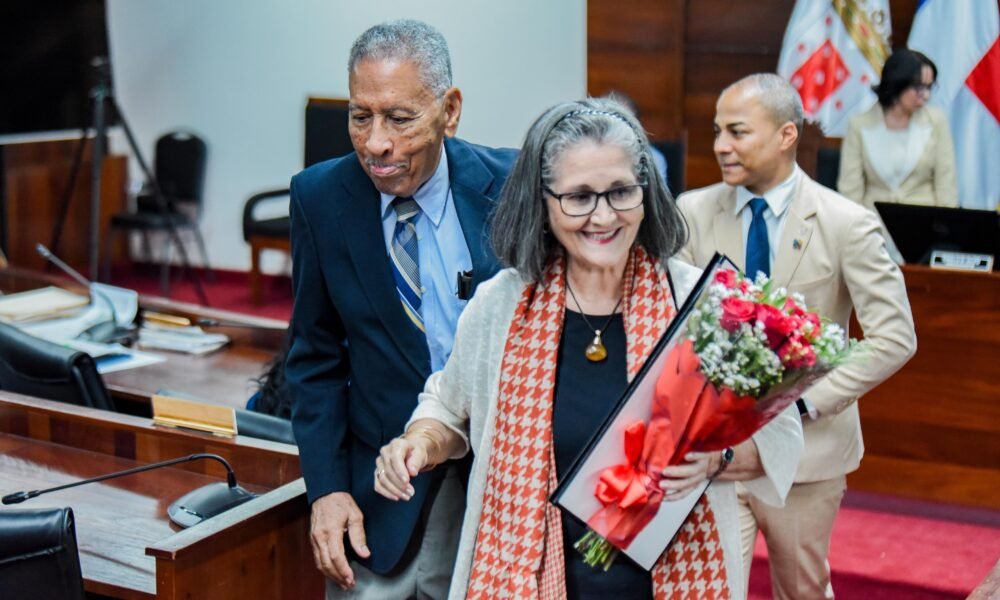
[[128, 547], [932, 431], [222, 377]]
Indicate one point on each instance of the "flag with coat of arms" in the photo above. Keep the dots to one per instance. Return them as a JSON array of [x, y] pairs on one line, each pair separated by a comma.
[[832, 53], [962, 37]]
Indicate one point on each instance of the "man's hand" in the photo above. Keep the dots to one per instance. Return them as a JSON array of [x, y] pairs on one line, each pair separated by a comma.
[[334, 515]]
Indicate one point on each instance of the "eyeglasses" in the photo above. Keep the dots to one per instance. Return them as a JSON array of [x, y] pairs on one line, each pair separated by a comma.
[[924, 87], [581, 204]]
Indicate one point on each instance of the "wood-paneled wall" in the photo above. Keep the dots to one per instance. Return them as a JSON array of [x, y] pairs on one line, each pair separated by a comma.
[[673, 57], [36, 175]]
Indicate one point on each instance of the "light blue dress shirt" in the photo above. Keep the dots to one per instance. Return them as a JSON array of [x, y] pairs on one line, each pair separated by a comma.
[[443, 253]]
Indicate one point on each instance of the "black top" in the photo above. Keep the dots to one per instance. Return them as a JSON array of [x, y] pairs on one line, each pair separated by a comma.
[[585, 393]]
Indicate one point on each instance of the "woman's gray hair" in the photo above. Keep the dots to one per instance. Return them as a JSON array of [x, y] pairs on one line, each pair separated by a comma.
[[519, 230], [410, 40], [775, 94]]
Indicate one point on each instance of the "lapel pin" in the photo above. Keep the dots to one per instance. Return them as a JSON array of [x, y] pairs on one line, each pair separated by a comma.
[[796, 244]]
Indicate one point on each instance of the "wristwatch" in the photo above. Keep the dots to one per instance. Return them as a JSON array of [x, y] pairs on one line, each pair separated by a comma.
[[727, 457]]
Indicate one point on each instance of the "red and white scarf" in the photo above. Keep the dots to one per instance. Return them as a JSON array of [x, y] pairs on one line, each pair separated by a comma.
[[519, 547]]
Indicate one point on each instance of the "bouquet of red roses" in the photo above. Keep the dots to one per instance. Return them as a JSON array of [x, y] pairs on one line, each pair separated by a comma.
[[748, 350]]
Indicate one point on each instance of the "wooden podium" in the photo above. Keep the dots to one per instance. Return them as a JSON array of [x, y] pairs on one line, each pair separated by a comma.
[[128, 546], [931, 430]]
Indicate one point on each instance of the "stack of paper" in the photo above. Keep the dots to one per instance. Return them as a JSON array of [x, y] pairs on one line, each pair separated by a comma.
[[189, 340], [44, 303]]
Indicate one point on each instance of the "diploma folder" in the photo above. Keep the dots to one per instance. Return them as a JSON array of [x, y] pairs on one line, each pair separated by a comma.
[[575, 492]]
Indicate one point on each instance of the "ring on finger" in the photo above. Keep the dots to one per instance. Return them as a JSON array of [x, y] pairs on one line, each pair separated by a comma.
[[379, 473]]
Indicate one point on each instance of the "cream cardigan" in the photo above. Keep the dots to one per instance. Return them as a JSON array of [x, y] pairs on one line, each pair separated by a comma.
[[463, 396]]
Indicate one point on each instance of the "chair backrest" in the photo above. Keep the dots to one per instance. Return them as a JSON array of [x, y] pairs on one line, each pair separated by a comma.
[[180, 166], [35, 367], [675, 151], [326, 130], [828, 167], [38, 555], [264, 427]]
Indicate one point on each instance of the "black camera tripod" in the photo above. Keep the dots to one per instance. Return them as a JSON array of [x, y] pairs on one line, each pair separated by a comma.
[[103, 100]]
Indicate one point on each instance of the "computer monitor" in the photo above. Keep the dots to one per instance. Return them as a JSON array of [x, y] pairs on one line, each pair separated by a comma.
[[919, 230]]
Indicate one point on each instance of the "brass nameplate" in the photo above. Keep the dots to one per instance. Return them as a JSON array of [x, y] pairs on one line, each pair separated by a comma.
[[177, 412]]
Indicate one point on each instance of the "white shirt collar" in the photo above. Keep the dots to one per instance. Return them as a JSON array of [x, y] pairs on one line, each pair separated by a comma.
[[778, 198]]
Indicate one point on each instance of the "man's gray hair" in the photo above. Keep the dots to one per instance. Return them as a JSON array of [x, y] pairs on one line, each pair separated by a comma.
[[776, 95], [519, 229], [407, 39]]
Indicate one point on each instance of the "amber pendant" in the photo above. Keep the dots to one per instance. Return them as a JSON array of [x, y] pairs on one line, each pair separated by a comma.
[[596, 352]]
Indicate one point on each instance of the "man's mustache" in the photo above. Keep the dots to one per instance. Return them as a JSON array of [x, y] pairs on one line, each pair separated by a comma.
[[381, 164]]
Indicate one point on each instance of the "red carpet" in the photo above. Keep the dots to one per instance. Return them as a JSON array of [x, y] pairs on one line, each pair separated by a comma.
[[883, 548], [887, 548]]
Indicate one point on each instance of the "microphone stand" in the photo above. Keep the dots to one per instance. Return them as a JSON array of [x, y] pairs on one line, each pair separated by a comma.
[[190, 509], [104, 332]]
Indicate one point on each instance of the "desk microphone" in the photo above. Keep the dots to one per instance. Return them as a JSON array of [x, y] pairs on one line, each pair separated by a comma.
[[190, 509], [104, 332]]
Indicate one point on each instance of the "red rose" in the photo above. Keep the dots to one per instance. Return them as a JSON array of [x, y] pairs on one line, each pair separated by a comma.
[[816, 323], [777, 325], [794, 309], [797, 352], [726, 277], [736, 311]]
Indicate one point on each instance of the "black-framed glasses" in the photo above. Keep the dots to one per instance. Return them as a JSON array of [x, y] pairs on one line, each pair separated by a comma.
[[581, 204]]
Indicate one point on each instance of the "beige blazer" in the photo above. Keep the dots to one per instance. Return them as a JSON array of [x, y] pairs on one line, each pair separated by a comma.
[[931, 162], [832, 252]]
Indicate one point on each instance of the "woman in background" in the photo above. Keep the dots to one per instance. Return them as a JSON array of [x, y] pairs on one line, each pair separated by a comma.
[[900, 150]]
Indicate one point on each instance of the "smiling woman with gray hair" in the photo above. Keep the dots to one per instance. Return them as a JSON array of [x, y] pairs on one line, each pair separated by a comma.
[[543, 352]]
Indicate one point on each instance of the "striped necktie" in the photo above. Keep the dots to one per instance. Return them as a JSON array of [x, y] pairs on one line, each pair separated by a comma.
[[758, 248], [405, 258]]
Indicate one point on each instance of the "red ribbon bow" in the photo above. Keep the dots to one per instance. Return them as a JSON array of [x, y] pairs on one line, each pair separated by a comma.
[[625, 484]]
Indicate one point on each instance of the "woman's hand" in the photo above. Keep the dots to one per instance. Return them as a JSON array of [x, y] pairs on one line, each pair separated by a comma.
[[398, 462], [680, 480]]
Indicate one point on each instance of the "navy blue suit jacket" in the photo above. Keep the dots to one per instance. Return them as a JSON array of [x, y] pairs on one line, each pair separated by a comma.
[[356, 363]]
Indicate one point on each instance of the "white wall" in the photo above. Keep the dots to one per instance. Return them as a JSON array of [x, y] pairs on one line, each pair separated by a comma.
[[238, 73]]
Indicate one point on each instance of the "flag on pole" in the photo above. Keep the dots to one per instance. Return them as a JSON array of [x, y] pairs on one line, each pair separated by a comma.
[[832, 52], [961, 37]]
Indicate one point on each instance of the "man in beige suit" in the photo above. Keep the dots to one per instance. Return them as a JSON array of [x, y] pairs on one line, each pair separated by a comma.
[[814, 241]]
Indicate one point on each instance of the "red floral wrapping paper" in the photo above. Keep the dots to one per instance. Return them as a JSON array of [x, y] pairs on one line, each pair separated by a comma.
[[689, 414]]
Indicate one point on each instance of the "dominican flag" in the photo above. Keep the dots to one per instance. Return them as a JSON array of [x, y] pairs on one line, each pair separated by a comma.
[[961, 37], [832, 53]]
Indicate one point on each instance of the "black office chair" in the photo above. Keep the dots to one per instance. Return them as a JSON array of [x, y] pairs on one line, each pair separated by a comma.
[[179, 167], [326, 137], [39, 558], [675, 151], [828, 167], [36, 367]]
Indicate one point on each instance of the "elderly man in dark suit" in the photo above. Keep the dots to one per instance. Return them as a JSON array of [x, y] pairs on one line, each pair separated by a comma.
[[388, 243]]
